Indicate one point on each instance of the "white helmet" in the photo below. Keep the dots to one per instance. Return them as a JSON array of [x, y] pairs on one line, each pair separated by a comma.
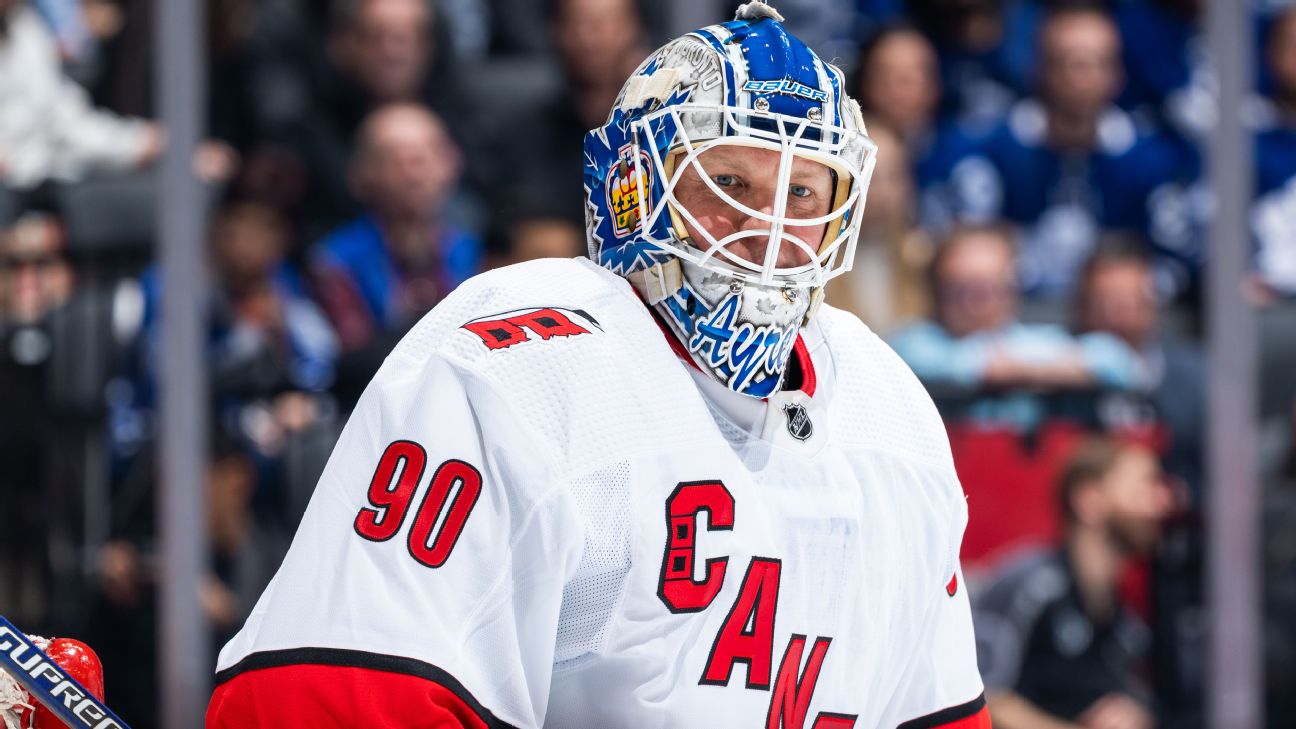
[[744, 83]]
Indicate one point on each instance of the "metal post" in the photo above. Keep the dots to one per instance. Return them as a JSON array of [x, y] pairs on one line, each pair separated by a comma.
[[185, 668], [1234, 674]]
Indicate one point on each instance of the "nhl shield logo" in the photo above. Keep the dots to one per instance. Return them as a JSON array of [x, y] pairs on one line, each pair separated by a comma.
[[799, 425]]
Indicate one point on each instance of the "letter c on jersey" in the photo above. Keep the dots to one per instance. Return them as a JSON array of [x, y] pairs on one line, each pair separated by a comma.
[[678, 589]]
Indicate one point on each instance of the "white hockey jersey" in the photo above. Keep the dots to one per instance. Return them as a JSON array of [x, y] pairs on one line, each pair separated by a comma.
[[536, 517]]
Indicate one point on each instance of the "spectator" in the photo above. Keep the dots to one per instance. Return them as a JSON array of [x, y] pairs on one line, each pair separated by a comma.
[[976, 352], [887, 285], [48, 128], [378, 52], [1273, 218], [599, 43], [1067, 164], [1165, 59], [67, 22], [1056, 647], [35, 280], [378, 274], [1118, 296], [384, 48], [273, 356], [985, 53], [274, 337], [545, 238], [35, 277], [270, 349], [899, 85], [243, 551], [899, 82]]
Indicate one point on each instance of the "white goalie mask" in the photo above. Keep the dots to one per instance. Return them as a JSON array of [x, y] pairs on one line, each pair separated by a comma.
[[727, 186]]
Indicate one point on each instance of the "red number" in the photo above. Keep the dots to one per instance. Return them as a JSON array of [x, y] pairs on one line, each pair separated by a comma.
[[391, 500], [450, 473], [392, 489]]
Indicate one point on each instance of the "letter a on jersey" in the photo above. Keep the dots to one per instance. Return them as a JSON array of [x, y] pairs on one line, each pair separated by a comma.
[[748, 632]]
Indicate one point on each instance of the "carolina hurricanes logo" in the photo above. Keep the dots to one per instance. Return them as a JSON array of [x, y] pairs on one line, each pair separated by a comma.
[[501, 331], [623, 189]]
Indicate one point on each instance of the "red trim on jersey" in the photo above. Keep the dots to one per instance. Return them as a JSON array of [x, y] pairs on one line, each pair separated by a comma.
[[268, 690], [972, 715], [808, 379], [675, 344]]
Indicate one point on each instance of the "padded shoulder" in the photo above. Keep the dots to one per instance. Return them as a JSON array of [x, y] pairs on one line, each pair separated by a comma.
[[880, 406], [878, 403], [575, 352], [568, 283]]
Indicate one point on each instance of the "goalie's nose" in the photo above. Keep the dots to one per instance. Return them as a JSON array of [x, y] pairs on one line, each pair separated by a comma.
[[755, 246]]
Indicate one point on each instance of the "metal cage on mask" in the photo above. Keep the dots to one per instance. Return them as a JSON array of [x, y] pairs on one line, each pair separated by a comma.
[[733, 304], [847, 153]]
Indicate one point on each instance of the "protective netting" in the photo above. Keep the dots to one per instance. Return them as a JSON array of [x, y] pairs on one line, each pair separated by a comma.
[[12, 695], [590, 598]]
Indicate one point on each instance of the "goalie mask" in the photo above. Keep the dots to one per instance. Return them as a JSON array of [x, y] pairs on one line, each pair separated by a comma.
[[727, 186]]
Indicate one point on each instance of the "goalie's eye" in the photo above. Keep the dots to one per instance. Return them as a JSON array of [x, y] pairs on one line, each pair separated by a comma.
[[724, 180], [800, 191]]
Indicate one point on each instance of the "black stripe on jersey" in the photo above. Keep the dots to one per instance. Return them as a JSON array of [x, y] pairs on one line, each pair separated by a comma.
[[946, 716], [362, 659]]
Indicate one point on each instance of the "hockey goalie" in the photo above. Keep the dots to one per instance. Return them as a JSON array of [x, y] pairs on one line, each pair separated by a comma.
[[664, 486]]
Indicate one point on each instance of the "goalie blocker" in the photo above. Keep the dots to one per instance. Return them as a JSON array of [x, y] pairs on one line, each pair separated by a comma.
[[63, 682]]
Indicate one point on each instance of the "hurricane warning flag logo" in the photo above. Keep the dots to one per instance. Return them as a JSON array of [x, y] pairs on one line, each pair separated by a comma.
[[623, 189], [501, 331]]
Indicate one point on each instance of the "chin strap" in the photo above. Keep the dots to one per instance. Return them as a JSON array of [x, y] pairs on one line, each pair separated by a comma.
[[658, 282], [816, 298]]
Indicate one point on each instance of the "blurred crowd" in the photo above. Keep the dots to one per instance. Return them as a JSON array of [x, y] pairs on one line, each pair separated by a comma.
[[1033, 245]]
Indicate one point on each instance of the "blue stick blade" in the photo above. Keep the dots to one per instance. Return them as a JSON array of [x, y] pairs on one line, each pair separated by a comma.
[[49, 684]]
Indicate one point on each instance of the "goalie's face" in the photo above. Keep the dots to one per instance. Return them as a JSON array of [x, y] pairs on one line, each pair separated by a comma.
[[749, 176]]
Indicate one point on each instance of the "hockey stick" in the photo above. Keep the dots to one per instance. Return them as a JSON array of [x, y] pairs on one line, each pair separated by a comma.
[[49, 684]]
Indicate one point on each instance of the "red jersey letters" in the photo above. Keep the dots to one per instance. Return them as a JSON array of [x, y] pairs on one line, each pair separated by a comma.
[[677, 588], [747, 634]]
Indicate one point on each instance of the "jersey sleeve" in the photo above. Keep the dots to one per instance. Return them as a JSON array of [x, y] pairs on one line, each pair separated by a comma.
[[941, 686], [424, 584]]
